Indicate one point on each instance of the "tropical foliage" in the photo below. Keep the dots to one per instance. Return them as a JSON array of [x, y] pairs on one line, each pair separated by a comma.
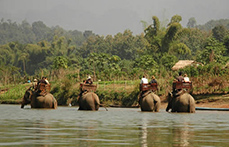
[[27, 50], [31, 51]]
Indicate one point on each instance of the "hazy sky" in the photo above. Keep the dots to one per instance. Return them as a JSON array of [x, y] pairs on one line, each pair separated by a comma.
[[110, 16]]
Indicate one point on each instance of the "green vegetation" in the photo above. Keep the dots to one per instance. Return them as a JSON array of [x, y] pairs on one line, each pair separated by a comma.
[[13, 93], [116, 63]]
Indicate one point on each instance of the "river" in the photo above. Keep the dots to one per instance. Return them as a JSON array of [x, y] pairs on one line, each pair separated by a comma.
[[66, 126]]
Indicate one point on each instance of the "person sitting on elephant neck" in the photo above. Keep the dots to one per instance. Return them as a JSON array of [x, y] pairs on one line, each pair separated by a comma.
[[180, 78], [88, 81]]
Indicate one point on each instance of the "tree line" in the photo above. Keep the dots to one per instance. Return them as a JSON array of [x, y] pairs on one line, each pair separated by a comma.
[[35, 50]]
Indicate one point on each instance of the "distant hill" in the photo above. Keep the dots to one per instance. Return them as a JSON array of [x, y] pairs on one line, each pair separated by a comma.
[[213, 23], [25, 33]]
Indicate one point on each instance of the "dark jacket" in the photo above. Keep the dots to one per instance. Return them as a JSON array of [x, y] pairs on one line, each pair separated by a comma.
[[180, 79], [152, 81]]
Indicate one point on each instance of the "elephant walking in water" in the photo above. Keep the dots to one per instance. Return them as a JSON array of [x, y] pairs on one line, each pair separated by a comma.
[[38, 101], [149, 101], [181, 102], [89, 101]]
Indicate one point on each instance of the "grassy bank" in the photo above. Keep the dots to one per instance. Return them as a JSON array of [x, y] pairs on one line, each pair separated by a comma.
[[12, 94]]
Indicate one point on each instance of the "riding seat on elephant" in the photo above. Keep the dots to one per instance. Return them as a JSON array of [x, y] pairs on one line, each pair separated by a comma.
[[148, 100], [180, 100], [88, 100], [39, 99]]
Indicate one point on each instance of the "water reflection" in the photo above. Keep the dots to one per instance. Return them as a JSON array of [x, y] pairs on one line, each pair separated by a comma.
[[116, 127], [182, 135], [144, 133]]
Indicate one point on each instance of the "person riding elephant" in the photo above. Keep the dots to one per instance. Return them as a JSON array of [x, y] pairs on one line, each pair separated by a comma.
[[181, 102], [38, 101], [87, 99], [149, 101], [88, 81]]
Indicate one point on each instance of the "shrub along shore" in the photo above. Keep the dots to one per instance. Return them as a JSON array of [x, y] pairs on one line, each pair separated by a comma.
[[121, 93]]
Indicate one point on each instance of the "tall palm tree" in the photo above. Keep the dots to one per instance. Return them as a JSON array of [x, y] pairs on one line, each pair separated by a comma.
[[24, 57]]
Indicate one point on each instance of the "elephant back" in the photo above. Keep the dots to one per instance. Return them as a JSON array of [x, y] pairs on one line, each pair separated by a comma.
[[187, 97], [184, 103], [89, 101], [150, 102], [46, 101]]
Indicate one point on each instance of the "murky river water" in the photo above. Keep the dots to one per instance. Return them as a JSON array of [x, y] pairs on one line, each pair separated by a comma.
[[67, 126]]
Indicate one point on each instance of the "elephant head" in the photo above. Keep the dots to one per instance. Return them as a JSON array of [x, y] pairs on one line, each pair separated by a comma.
[[150, 102], [26, 98], [89, 101], [181, 102]]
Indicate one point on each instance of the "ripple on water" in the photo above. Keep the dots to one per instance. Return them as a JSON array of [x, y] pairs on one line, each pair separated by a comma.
[[116, 127]]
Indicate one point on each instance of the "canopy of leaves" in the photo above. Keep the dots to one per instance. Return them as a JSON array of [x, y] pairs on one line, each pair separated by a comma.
[[28, 49]]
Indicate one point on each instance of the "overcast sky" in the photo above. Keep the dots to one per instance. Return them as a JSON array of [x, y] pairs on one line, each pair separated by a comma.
[[105, 17]]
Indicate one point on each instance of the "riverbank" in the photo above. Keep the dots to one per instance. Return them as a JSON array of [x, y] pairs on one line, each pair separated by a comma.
[[217, 101], [211, 101], [111, 94]]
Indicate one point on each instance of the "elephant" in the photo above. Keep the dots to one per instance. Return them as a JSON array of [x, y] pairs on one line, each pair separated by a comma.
[[181, 102], [89, 101], [149, 101], [38, 101]]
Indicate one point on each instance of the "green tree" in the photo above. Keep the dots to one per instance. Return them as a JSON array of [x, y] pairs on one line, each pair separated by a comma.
[[146, 63], [24, 57], [60, 62], [213, 51], [219, 32], [191, 23], [175, 19], [226, 43], [153, 35], [41, 30], [195, 40], [168, 60], [8, 73]]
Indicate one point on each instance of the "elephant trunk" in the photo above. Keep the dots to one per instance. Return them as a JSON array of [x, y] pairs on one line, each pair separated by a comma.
[[170, 95], [167, 109]]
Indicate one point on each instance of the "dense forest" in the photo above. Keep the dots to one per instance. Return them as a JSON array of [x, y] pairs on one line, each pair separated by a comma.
[[31, 51]]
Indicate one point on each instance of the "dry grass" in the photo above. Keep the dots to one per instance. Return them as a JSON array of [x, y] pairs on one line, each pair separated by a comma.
[[210, 85], [117, 87]]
